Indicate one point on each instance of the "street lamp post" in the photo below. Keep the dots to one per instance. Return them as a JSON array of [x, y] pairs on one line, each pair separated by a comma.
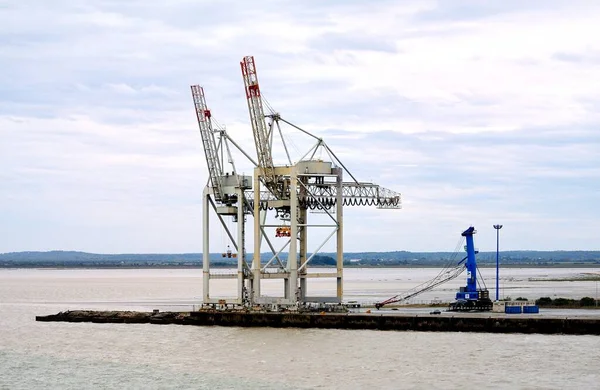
[[497, 227]]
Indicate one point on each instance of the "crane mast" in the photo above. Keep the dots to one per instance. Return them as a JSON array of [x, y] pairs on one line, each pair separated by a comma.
[[259, 125], [203, 114]]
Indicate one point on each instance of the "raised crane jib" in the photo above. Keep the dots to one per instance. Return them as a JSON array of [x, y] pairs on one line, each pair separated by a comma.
[[203, 114], [259, 126]]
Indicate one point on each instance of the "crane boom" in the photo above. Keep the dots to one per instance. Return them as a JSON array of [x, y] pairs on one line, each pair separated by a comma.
[[259, 125], [203, 114], [469, 297], [441, 278], [353, 194]]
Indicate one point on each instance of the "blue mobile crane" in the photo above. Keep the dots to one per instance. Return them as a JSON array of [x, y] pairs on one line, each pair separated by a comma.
[[468, 298]]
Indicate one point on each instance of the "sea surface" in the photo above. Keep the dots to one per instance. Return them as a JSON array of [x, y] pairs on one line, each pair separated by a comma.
[[39, 355]]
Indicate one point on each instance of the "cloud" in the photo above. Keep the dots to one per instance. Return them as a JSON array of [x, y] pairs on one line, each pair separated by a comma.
[[478, 112], [582, 58], [330, 42]]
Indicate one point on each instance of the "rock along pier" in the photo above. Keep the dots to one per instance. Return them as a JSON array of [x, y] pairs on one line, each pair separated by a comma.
[[375, 321]]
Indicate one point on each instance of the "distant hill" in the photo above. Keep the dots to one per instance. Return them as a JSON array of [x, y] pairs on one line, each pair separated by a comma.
[[84, 259], [388, 259]]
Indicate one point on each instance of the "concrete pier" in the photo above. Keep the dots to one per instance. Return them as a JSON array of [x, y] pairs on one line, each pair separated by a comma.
[[482, 322]]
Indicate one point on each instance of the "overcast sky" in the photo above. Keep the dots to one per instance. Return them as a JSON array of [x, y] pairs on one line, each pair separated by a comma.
[[478, 112]]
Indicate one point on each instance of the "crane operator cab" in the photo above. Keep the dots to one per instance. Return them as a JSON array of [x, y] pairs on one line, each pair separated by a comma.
[[228, 253], [283, 231]]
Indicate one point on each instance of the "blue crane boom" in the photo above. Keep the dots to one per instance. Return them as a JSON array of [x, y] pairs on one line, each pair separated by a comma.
[[443, 277], [468, 297]]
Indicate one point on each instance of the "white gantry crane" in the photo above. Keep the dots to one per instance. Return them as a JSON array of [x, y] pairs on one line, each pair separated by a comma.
[[280, 199], [291, 190], [223, 195]]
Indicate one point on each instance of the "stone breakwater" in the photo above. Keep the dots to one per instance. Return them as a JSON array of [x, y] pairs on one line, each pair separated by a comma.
[[375, 321]]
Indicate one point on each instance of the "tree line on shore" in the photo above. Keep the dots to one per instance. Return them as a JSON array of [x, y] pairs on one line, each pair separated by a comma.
[[566, 302], [358, 259], [585, 302]]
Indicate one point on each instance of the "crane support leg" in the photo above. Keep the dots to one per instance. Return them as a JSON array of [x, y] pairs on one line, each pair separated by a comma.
[[205, 245], [255, 284], [340, 236], [292, 263], [241, 247], [302, 217]]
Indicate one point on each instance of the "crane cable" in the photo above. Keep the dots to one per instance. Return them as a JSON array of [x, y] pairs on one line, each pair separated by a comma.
[[266, 103], [272, 111], [481, 279], [452, 258], [450, 271]]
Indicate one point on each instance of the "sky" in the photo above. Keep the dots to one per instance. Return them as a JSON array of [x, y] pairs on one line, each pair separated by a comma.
[[478, 112]]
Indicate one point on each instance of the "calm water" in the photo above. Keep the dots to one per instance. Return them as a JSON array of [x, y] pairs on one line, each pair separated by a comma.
[[73, 356]]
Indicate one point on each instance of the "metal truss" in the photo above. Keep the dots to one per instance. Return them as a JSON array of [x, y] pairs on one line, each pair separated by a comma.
[[353, 194]]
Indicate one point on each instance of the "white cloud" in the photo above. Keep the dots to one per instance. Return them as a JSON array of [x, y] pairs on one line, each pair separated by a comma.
[[479, 114]]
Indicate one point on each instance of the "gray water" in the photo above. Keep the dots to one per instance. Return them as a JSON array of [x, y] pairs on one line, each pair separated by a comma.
[[73, 356]]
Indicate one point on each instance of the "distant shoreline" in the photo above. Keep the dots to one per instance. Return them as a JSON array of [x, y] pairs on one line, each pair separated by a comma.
[[199, 266], [396, 259]]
